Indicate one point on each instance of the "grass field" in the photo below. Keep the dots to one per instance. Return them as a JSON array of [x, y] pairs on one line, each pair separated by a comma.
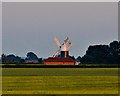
[[60, 81]]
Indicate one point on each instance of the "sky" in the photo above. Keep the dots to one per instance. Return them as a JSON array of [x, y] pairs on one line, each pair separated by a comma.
[[31, 27]]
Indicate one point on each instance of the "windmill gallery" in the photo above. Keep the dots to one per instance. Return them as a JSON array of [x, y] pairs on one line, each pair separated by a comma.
[[61, 56]]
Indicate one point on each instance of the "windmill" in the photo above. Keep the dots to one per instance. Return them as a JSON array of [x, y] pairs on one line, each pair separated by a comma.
[[63, 50]]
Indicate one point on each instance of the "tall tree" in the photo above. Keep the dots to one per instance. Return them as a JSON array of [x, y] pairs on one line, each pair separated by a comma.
[[31, 56], [103, 54]]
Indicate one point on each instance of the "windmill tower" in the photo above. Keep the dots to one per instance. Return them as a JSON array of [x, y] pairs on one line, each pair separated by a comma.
[[63, 50]]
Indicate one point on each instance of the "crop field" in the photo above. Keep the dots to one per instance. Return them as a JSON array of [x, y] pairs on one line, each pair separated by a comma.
[[60, 81]]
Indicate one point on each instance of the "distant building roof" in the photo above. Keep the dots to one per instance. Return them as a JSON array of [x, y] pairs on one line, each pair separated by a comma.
[[31, 61]]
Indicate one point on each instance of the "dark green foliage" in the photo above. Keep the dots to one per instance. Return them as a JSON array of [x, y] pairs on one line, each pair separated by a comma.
[[103, 54], [31, 56], [40, 60], [12, 59], [78, 59], [6, 59], [22, 61]]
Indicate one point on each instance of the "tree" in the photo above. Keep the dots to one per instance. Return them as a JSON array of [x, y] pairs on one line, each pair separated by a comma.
[[103, 54], [31, 56], [78, 59], [22, 61], [40, 60], [13, 59], [3, 58], [10, 59], [115, 51]]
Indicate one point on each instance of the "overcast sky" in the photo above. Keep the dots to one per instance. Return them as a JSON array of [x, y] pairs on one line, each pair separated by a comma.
[[32, 26]]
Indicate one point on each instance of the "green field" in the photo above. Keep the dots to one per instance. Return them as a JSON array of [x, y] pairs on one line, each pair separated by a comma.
[[60, 81]]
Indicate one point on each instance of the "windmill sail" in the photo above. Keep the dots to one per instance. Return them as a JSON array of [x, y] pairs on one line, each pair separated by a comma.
[[69, 46], [57, 42], [66, 40], [63, 50], [56, 53]]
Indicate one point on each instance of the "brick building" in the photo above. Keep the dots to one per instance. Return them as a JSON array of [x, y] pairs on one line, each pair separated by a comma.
[[59, 61]]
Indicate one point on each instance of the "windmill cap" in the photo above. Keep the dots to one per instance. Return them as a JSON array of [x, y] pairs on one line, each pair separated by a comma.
[[64, 48]]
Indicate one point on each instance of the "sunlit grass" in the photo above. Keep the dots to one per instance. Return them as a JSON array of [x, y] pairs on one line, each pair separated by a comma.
[[60, 81]]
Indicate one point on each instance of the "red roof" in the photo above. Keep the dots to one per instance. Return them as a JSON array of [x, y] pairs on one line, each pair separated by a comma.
[[59, 59]]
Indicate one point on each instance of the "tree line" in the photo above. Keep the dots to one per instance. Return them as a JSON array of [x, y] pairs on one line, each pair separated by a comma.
[[103, 54], [95, 54], [12, 59]]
